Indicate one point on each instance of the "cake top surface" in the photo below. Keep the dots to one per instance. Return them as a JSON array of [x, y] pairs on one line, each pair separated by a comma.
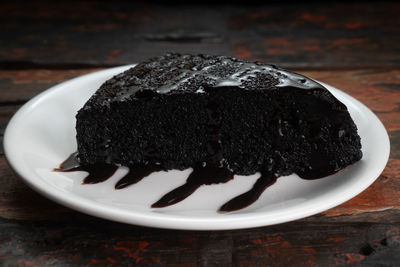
[[176, 73]]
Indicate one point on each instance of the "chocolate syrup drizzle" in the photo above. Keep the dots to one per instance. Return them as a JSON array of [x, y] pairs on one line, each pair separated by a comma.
[[201, 175], [249, 197], [97, 172], [136, 173]]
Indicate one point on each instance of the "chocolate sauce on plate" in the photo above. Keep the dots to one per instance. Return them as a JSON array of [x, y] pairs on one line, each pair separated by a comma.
[[98, 172], [249, 197], [136, 173], [201, 175]]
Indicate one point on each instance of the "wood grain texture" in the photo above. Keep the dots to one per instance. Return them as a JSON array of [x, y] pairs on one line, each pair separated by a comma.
[[104, 33], [29, 243], [18, 86]]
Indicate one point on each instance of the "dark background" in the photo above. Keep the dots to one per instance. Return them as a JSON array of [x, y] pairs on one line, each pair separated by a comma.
[[353, 46], [105, 33]]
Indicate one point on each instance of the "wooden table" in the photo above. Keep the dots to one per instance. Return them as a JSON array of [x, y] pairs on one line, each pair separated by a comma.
[[352, 46]]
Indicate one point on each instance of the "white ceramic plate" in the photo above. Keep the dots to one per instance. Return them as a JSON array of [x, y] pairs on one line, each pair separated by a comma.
[[42, 134]]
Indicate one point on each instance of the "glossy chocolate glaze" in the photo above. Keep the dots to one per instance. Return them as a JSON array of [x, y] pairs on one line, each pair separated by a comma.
[[212, 72], [242, 72]]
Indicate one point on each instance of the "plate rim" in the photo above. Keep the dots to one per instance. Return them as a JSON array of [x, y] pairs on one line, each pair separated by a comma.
[[168, 221]]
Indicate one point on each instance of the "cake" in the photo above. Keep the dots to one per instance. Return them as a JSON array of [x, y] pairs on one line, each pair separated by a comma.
[[218, 115]]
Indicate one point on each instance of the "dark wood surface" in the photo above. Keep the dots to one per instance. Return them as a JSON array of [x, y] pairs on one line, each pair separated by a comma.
[[352, 46]]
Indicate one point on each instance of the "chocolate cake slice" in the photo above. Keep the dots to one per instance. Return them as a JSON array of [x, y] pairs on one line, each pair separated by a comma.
[[220, 116]]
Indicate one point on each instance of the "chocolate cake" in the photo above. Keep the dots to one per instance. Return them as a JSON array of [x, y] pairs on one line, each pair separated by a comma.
[[218, 115]]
